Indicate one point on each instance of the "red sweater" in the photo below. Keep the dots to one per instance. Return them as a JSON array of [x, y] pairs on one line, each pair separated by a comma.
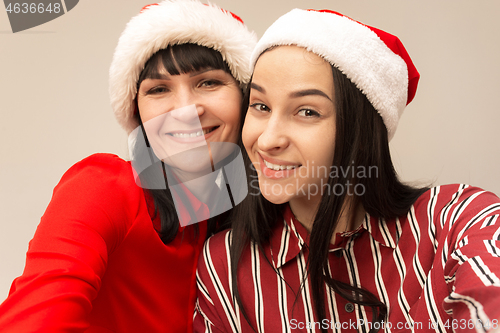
[[96, 263]]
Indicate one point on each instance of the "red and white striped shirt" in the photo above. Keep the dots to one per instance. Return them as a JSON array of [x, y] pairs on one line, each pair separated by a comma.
[[437, 269]]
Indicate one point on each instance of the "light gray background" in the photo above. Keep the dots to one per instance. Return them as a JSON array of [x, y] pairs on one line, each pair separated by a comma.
[[55, 109]]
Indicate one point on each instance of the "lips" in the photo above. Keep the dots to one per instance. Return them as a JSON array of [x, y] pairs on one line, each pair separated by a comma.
[[277, 169], [191, 135]]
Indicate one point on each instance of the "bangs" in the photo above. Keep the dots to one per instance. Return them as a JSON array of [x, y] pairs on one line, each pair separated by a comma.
[[182, 59]]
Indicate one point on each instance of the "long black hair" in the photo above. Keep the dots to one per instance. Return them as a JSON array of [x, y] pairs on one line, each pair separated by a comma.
[[361, 140], [176, 59]]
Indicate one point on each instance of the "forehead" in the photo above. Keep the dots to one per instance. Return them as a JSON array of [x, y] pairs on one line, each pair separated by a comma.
[[182, 58], [293, 67]]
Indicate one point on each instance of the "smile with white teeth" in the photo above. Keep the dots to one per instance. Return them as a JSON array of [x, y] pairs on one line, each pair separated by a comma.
[[192, 134], [277, 167]]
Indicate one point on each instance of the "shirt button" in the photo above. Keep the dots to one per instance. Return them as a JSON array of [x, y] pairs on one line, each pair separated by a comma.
[[349, 307], [338, 253]]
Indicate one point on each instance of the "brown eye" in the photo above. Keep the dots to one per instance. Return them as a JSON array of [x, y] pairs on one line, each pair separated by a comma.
[[260, 107], [156, 90], [209, 83], [308, 113]]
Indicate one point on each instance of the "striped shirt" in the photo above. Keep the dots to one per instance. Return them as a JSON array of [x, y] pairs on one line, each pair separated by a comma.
[[437, 269]]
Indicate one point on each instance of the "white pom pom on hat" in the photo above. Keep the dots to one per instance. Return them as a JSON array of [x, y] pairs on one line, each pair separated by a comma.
[[172, 22], [374, 60]]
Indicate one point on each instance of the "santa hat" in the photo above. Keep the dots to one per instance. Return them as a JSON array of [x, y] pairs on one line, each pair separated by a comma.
[[374, 60], [173, 22]]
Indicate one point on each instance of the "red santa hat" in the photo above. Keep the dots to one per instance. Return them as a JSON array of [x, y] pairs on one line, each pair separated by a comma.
[[374, 60], [173, 22]]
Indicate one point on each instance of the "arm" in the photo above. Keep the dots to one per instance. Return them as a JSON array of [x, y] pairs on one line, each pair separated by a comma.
[[68, 255], [214, 308], [472, 269]]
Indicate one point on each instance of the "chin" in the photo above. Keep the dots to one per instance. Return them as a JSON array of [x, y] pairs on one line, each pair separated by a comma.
[[276, 201], [276, 197]]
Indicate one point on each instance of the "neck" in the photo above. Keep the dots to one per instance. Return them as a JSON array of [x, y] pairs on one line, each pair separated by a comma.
[[351, 216], [202, 187]]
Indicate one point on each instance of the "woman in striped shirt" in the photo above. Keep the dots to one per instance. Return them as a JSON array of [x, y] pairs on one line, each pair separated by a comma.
[[333, 241]]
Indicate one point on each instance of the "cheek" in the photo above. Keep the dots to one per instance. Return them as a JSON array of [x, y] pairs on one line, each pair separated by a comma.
[[231, 117], [147, 109], [326, 151], [250, 133], [227, 106], [142, 110], [153, 126], [317, 146]]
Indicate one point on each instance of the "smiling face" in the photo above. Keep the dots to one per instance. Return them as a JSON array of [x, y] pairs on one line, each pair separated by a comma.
[[184, 111], [289, 129]]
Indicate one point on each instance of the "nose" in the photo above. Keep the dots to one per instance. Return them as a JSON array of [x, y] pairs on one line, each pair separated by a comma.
[[274, 137], [187, 107], [188, 114]]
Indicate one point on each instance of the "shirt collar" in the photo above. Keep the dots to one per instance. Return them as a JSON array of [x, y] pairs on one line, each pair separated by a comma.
[[188, 206], [382, 231], [290, 236]]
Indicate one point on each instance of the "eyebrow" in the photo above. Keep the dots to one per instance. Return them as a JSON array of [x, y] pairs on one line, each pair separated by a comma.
[[299, 93], [201, 71], [161, 76], [257, 87], [309, 92]]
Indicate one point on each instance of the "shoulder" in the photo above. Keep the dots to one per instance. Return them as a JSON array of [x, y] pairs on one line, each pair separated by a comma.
[[101, 181], [218, 244], [456, 206], [105, 160], [215, 253], [453, 195], [98, 193], [98, 171], [100, 165]]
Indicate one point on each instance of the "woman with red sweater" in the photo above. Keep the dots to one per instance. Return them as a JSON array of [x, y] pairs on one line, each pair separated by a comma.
[[115, 250]]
